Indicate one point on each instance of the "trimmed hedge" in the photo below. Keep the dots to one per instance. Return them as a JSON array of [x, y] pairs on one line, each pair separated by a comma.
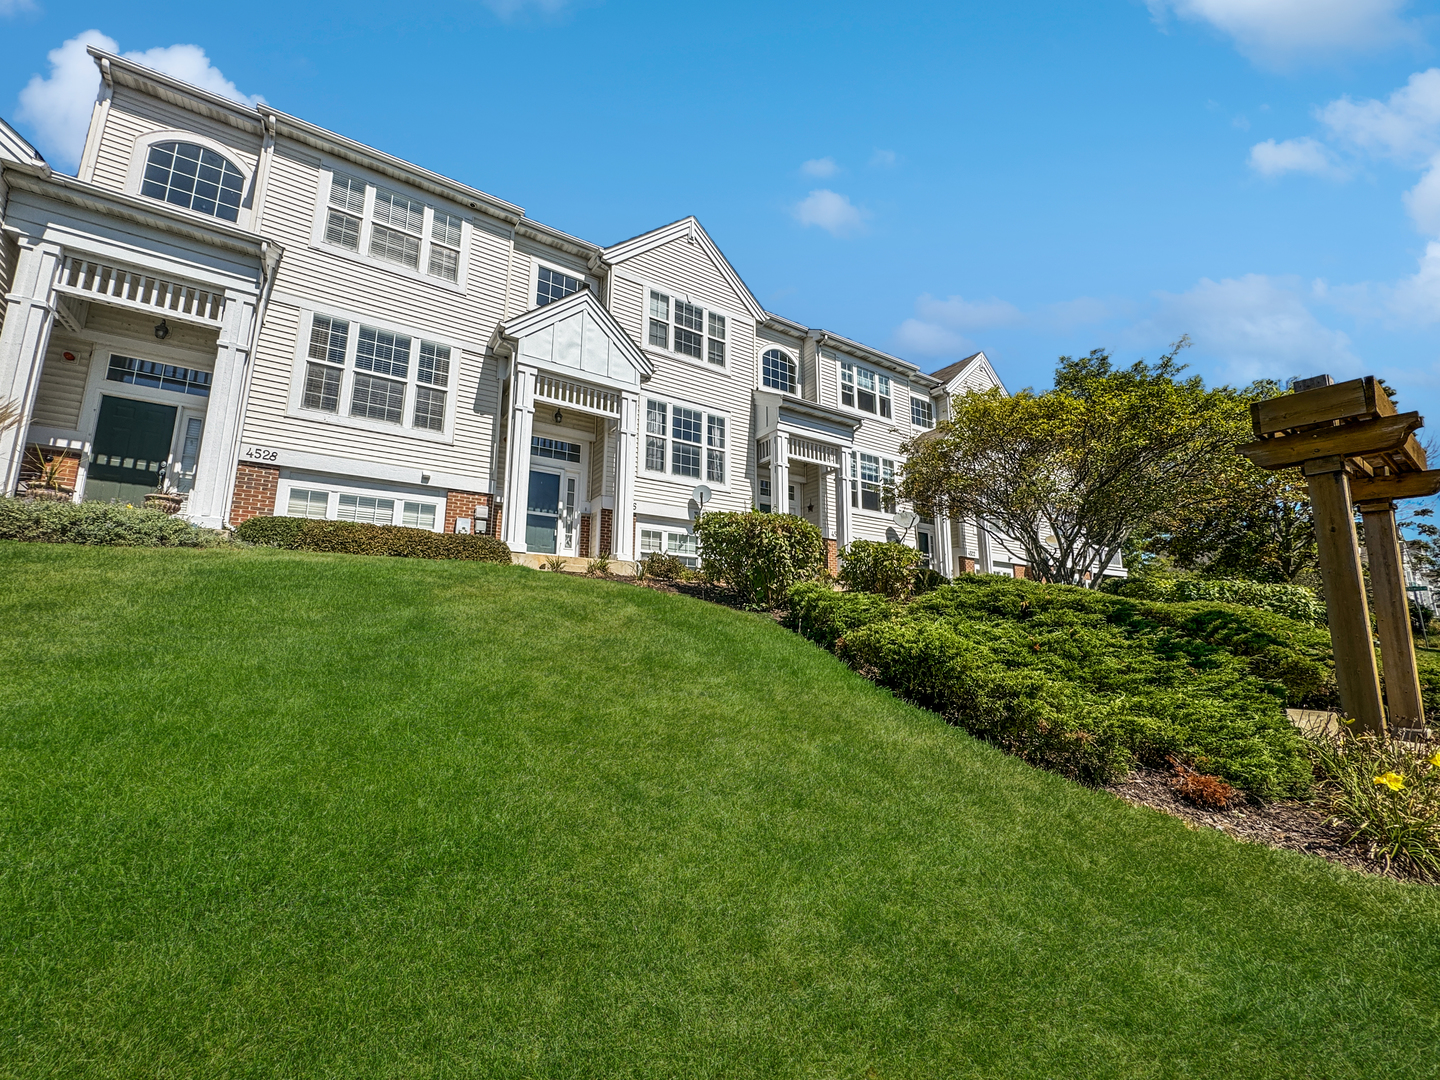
[[1087, 684], [759, 556], [882, 568], [50, 522], [358, 538], [1292, 601]]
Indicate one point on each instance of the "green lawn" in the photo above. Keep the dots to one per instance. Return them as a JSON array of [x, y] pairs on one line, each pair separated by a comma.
[[280, 815]]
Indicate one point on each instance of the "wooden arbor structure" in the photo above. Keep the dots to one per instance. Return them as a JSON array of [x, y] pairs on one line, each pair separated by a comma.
[[1355, 448]]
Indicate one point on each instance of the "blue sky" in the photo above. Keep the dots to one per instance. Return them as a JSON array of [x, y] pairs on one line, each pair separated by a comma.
[[1030, 179]]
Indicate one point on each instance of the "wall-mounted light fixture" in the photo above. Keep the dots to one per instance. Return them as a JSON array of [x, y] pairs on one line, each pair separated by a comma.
[[161, 330], [559, 416]]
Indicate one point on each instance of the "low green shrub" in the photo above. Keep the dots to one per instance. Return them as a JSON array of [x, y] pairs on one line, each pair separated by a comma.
[[51, 522], [1292, 601], [759, 556], [1388, 792], [1087, 684], [884, 569], [359, 538], [281, 532], [662, 566]]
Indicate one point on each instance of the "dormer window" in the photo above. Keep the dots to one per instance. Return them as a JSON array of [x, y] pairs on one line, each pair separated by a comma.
[[777, 371], [195, 178]]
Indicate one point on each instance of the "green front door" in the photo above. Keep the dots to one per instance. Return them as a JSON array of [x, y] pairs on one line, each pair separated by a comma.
[[132, 443]]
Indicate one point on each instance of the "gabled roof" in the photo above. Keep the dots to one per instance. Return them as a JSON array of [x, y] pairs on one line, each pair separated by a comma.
[[974, 370], [583, 302], [13, 146], [688, 228]]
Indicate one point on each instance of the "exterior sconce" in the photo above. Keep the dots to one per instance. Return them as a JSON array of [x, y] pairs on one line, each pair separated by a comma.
[[161, 330], [559, 416]]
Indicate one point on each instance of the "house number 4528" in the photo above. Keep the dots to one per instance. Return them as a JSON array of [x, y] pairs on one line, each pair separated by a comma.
[[259, 453]]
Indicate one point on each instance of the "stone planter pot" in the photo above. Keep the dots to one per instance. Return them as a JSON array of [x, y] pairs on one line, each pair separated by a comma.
[[50, 494], [168, 504]]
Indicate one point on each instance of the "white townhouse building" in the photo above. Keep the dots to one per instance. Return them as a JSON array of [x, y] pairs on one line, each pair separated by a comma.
[[266, 317]]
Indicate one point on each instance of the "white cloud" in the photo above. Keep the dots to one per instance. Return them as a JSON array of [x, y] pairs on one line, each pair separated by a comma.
[[1256, 326], [821, 167], [1423, 200], [57, 107], [1304, 155], [15, 7], [957, 313], [919, 338], [883, 159], [1279, 31], [833, 212], [1405, 127]]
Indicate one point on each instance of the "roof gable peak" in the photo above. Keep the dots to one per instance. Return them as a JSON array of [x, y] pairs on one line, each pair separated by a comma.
[[689, 229]]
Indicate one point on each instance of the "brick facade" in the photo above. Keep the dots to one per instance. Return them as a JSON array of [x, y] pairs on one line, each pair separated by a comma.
[[584, 548], [832, 555], [35, 459], [1021, 572], [460, 504], [967, 566], [256, 487], [607, 531]]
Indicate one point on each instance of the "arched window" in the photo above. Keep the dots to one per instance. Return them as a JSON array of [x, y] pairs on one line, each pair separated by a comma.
[[195, 178], [777, 371]]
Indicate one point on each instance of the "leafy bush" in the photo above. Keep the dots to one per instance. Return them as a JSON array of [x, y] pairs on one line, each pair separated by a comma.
[[1388, 792], [662, 566], [1292, 601], [358, 538], [759, 556], [281, 532], [50, 522], [1084, 683], [884, 569]]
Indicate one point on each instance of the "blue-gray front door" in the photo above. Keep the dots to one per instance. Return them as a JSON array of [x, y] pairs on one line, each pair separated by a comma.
[[542, 512]]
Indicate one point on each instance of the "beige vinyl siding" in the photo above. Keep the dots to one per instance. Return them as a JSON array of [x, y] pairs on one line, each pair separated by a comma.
[[198, 344], [62, 384], [9, 259], [133, 115]]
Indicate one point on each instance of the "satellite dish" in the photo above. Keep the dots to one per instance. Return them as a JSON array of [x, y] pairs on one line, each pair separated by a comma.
[[701, 494], [906, 519]]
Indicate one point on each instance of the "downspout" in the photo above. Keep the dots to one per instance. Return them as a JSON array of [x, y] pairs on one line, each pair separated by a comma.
[[509, 267]]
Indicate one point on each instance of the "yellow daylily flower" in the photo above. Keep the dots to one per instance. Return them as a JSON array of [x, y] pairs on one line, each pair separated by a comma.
[[1394, 781], [1436, 759]]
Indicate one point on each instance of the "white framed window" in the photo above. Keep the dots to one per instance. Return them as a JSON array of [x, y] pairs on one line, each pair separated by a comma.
[[314, 497], [195, 177], [872, 482], [777, 371], [374, 375], [684, 545], [393, 228], [552, 285], [418, 515], [863, 389], [922, 412], [307, 503], [685, 441], [686, 329], [366, 508]]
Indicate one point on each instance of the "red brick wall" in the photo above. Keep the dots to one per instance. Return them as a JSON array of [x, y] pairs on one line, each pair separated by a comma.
[[584, 548], [607, 531], [460, 504], [497, 511], [34, 458], [1021, 572], [967, 566], [255, 489], [832, 556]]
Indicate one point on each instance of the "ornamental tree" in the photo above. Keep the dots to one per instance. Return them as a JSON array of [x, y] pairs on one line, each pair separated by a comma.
[[1074, 474]]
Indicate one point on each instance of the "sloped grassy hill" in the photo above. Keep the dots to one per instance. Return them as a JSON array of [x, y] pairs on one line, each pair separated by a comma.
[[268, 814]]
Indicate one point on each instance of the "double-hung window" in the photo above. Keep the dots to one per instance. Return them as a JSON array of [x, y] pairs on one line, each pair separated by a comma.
[[375, 375], [777, 371], [684, 441], [872, 482], [393, 228], [683, 545], [552, 285], [687, 329], [922, 412], [863, 389]]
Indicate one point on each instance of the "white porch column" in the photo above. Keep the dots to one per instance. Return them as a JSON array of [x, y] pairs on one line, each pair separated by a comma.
[[29, 316], [622, 534], [842, 507], [983, 563], [780, 473], [517, 457], [224, 416], [941, 559], [826, 500]]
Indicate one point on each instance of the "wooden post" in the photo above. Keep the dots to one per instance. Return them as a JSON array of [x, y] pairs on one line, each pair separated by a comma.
[[1339, 551], [1392, 615]]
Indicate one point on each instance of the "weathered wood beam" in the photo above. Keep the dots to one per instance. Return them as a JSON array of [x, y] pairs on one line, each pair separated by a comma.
[[1392, 615], [1356, 399], [1415, 485], [1349, 614], [1360, 439]]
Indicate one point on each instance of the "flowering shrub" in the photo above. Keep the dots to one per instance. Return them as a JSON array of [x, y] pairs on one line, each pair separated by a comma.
[[1388, 792]]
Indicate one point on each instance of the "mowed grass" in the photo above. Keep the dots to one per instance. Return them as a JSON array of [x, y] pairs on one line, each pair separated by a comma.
[[274, 815]]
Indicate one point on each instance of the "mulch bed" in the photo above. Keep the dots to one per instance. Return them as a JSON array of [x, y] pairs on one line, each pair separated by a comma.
[[1288, 826]]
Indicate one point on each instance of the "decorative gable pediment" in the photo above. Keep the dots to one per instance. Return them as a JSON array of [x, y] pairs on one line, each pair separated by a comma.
[[578, 335], [688, 231]]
